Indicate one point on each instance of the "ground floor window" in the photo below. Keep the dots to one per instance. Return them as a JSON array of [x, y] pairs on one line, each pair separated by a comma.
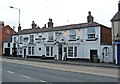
[[31, 50], [72, 51], [20, 50], [75, 51], [65, 51], [49, 51]]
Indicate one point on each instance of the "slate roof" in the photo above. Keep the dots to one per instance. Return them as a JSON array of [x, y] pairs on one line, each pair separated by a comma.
[[58, 28], [116, 17]]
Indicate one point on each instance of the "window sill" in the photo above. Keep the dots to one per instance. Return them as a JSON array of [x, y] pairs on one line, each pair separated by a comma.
[[92, 39], [50, 41], [72, 40]]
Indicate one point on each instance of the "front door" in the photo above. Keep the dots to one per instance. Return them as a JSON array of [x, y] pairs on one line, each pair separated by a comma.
[[7, 51], [92, 53], [60, 51], [24, 53]]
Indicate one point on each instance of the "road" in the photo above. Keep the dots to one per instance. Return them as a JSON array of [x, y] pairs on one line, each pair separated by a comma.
[[26, 72]]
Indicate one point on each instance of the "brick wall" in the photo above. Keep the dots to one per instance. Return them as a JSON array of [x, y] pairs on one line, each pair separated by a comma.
[[106, 36]]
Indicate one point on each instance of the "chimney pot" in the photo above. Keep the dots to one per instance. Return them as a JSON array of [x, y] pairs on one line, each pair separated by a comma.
[[50, 23], [1, 24], [90, 18], [33, 25]]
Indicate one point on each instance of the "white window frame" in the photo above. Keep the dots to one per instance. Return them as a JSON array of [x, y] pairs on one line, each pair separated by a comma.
[[47, 50], [75, 51], [15, 39], [32, 50], [31, 38], [29, 50], [72, 52], [72, 34], [50, 36], [21, 39], [20, 50], [91, 33], [51, 51]]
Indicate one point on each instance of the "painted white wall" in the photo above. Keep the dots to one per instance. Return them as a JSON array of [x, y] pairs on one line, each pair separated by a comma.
[[83, 46], [115, 26], [109, 57]]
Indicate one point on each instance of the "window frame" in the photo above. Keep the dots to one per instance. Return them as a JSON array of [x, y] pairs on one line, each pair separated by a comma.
[[50, 36], [47, 50], [31, 38], [70, 52], [91, 33], [29, 50], [21, 39], [51, 51], [15, 39], [8, 45], [72, 34], [75, 51], [32, 50]]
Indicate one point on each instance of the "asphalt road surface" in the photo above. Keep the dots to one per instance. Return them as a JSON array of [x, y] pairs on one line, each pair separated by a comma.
[[13, 72]]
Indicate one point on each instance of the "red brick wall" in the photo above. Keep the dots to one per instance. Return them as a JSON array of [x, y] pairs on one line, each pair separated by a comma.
[[5, 34], [106, 36]]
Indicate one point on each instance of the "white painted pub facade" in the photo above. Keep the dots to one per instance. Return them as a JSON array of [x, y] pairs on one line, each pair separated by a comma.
[[75, 41]]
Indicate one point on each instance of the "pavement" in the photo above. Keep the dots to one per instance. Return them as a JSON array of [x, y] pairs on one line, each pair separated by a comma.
[[82, 63]]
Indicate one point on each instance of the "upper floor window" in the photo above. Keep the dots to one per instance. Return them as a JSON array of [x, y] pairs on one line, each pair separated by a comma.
[[91, 33], [15, 39], [21, 38], [50, 36], [31, 38], [8, 44], [72, 34]]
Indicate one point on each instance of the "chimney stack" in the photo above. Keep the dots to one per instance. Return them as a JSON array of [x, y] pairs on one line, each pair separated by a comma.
[[119, 6], [44, 26], [50, 23], [90, 18], [33, 25], [1, 24]]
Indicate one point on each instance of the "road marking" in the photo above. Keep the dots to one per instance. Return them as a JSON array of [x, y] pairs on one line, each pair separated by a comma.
[[11, 72], [25, 76], [42, 81]]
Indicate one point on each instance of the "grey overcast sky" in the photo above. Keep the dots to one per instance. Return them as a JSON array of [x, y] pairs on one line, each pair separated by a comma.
[[63, 12]]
